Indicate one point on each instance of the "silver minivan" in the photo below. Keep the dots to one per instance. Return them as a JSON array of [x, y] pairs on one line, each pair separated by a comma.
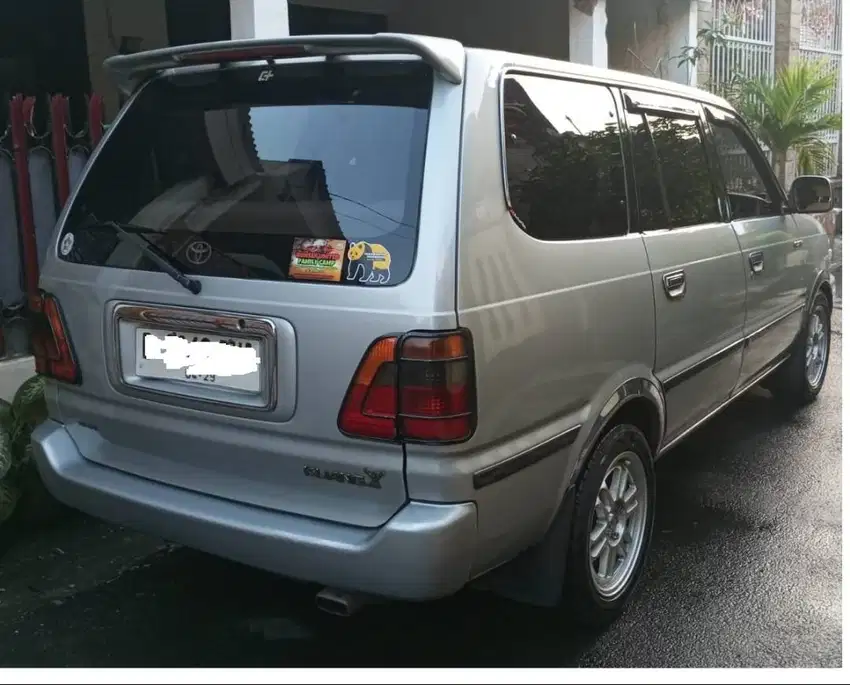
[[393, 316]]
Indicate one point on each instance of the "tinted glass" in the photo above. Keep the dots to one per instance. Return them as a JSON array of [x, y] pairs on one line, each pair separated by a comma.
[[257, 167], [746, 185], [564, 159], [685, 172], [652, 209]]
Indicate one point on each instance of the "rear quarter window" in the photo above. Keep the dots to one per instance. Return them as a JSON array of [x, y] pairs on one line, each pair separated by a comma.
[[312, 174], [563, 158]]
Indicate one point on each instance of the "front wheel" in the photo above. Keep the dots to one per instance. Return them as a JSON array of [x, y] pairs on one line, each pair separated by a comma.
[[612, 530], [799, 381]]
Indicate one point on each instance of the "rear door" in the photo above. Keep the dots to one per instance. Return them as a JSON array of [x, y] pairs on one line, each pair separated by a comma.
[[836, 237], [777, 262], [292, 195], [697, 268]]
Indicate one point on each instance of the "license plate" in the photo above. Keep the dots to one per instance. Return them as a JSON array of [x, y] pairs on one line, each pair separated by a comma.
[[230, 363]]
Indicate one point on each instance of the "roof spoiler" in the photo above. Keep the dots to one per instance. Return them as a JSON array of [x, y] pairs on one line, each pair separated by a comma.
[[445, 56]]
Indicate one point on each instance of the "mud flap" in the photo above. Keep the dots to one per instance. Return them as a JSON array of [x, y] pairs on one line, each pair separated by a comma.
[[536, 576]]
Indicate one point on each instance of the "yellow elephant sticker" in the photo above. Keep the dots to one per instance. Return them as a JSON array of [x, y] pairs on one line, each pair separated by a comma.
[[368, 263]]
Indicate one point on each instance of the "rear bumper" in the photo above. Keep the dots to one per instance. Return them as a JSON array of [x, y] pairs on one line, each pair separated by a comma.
[[424, 552]]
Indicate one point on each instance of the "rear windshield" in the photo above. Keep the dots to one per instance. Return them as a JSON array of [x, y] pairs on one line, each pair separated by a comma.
[[309, 172]]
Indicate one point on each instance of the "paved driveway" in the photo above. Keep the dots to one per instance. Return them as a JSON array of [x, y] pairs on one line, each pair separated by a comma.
[[745, 571]]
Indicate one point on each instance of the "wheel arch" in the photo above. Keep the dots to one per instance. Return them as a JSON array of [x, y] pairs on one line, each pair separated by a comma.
[[823, 283], [640, 401], [535, 577]]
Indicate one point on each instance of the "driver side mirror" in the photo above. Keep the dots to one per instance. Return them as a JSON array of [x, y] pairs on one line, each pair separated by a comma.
[[812, 195]]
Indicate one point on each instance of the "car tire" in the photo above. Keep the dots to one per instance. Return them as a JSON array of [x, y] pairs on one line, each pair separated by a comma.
[[610, 535], [799, 380]]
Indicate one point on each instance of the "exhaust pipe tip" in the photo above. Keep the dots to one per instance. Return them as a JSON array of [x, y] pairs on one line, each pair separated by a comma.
[[339, 603]]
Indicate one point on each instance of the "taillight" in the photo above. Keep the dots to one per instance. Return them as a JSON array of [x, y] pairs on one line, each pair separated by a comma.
[[54, 355], [418, 387], [370, 405]]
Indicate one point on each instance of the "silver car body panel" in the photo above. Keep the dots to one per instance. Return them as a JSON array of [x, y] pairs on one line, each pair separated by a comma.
[[244, 455], [422, 552], [566, 335]]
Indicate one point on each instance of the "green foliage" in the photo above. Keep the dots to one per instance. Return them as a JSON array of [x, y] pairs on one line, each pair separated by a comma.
[[707, 37], [787, 113], [711, 35], [8, 500], [5, 442], [17, 421], [28, 404]]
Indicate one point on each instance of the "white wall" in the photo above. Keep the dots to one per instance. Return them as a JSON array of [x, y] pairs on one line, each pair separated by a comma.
[[588, 33], [12, 374], [532, 26], [656, 30], [259, 18], [538, 27]]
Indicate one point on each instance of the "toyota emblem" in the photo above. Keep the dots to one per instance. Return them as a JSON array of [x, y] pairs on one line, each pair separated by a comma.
[[198, 252]]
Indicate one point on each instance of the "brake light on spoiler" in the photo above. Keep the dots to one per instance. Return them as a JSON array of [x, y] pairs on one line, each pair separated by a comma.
[[446, 57], [418, 387], [246, 55]]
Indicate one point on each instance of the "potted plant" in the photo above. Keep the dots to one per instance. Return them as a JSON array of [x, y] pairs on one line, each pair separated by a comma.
[[22, 494]]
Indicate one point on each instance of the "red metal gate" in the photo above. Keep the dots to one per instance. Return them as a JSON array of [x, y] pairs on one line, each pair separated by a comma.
[[38, 170]]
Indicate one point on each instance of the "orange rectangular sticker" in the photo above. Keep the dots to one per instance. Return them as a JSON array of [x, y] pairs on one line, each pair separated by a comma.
[[317, 259]]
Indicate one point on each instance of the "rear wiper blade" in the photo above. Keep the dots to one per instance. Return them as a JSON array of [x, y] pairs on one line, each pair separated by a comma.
[[193, 285]]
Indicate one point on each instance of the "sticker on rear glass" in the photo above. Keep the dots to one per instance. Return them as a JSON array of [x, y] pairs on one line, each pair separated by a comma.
[[368, 263], [317, 259], [66, 245]]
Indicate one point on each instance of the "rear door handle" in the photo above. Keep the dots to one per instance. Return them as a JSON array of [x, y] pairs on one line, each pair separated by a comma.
[[757, 262], [674, 284], [798, 243]]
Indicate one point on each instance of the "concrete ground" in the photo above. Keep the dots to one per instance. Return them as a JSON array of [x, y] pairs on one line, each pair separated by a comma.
[[745, 571], [12, 373]]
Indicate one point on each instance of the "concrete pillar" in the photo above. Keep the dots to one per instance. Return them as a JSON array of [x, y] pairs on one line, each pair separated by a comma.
[[588, 23], [692, 28], [705, 18], [788, 21], [259, 18]]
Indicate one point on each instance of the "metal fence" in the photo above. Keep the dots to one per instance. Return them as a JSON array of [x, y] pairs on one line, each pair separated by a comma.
[[749, 48], [820, 41], [42, 154], [747, 51]]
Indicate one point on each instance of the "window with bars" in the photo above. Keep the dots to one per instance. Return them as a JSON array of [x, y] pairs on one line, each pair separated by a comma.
[[820, 41], [748, 48]]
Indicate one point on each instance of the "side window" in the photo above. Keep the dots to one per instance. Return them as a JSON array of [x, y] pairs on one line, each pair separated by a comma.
[[750, 190], [652, 206], [672, 173], [564, 158]]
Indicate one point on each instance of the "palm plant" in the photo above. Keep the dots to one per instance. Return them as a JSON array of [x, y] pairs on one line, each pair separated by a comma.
[[788, 113]]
